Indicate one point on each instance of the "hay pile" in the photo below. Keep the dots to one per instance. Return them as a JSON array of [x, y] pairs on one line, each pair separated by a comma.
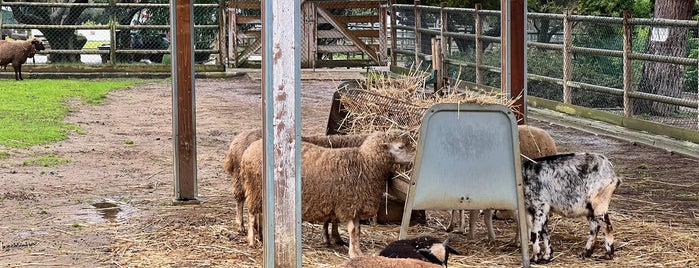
[[381, 102]]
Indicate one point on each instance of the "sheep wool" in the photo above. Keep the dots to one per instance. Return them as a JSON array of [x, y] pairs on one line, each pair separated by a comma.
[[384, 262], [338, 183], [17, 52]]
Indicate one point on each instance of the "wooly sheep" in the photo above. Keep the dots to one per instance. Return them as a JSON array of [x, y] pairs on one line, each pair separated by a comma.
[[244, 139], [534, 142], [571, 185], [337, 183], [17, 52], [414, 249], [384, 262]]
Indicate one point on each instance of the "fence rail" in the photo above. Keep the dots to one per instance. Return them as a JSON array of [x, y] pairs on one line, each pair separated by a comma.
[[467, 43], [116, 47]]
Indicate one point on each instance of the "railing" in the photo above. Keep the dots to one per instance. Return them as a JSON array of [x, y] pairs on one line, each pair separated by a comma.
[[560, 70], [116, 48]]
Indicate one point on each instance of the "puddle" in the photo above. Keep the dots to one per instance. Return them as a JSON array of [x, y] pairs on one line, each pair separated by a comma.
[[109, 210]]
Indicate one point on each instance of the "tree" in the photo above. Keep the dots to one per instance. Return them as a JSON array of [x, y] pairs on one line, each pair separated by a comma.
[[664, 78]]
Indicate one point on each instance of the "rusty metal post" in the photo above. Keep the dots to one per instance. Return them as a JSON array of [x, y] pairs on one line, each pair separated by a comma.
[[628, 64], [394, 34], [183, 111], [437, 64], [281, 87], [567, 58], [418, 36]]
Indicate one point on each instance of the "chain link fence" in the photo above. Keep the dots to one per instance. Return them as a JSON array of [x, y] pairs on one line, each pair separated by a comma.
[[108, 32], [640, 68]]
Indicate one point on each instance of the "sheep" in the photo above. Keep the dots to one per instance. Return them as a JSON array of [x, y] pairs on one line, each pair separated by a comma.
[[572, 185], [410, 248], [17, 52], [534, 142], [384, 262], [241, 142], [337, 183], [422, 251]]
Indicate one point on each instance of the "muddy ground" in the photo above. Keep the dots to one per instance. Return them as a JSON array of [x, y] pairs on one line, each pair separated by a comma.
[[54, 216]]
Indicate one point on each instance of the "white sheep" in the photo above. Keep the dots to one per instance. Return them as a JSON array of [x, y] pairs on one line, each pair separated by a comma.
[[337, 183], [534, 142], [244, 139], [571, 185], [17, 52]]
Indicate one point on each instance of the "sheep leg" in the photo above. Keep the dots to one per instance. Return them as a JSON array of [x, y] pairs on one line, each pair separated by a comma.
[[488, 218], [337, 239], [251, 229], [326, 236], [608, 237], [472, 217], [18, 71], [546, 239], [353, 231], [450, 227], [239, 206]]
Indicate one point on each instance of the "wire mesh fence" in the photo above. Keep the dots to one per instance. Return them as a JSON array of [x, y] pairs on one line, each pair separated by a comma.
[[640, 68], [105, 31]]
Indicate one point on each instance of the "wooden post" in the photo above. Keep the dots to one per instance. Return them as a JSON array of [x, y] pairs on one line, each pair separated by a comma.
[[184, 134], [383, 48], [479, 44], [628, 64], [443, 52], [233, 36], [567, 58], [222, 51], [514, 68], [394, 35], [418, 36], [281, 87], [437, 64]]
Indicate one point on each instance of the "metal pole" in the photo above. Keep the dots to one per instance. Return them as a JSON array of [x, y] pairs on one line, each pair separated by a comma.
[[281, 86], [183, 112]]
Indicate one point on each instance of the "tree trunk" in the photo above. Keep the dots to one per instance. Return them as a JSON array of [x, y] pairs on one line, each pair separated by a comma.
[[664, 78]]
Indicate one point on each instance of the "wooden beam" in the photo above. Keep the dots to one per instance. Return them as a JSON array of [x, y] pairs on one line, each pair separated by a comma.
[[513, 21], [184, 134], [348, 34]]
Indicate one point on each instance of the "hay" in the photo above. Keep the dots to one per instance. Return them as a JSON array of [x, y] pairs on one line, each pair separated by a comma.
[[203, 236]]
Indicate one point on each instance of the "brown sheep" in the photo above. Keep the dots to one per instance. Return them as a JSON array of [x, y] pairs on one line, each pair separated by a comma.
[[245, 138], [341, 183], [534, 142], [17, 52], [384, 262]]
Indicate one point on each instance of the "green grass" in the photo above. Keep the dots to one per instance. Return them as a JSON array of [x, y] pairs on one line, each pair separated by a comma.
[[50, 160], [94, 44], [32, 111]]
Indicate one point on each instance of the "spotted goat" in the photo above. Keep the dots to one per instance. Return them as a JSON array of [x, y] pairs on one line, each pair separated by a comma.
[[571, 185]]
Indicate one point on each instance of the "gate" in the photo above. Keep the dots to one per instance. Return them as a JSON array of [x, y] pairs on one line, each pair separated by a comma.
[[333, 33]]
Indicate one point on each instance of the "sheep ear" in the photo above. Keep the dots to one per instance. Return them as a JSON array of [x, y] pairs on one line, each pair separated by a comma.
[[448, 248], [429, 256]]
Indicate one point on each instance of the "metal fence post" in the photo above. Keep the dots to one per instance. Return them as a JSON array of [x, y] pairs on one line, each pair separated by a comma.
[[628, 64], [567, 58], [479, 45]]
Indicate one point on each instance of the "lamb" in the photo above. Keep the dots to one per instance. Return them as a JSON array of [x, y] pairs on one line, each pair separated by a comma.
[[411, 248], [571, 185], [17, 52], [534, 142], [422, 251], [245, 138], [342, 183]]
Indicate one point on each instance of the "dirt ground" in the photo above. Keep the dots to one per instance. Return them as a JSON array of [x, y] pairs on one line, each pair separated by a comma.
[[63, 216]]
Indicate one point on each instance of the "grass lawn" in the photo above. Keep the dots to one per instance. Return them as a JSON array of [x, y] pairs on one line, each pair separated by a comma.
[[32, 111]]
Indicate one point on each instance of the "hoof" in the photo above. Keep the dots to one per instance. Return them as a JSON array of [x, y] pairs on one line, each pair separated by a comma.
[[586, 254]]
